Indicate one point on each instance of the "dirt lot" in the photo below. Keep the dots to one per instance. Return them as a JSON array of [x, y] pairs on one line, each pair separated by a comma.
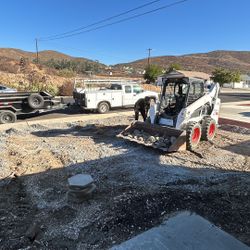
[[137, 188]]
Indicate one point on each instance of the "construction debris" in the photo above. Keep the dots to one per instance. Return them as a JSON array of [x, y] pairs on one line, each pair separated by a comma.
[[161, 142], [81, 187]]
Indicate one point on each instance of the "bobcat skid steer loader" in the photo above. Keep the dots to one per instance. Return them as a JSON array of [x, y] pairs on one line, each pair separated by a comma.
[[187, 112]]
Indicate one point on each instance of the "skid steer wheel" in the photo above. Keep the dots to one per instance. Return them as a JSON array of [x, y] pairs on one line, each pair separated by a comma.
[[103, 107], [35, 101], [193, 135], [7, 117], [208, 129]]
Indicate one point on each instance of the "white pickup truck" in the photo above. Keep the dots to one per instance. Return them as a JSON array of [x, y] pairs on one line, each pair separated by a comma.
[[114, 96]]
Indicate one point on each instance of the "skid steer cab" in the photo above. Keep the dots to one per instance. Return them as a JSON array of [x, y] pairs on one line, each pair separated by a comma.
[[186, 113]]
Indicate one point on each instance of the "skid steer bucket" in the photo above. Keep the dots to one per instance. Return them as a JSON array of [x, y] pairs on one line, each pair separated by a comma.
[[152, 135]]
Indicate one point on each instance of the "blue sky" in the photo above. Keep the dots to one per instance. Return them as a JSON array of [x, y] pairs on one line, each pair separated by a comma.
[[193, 26]]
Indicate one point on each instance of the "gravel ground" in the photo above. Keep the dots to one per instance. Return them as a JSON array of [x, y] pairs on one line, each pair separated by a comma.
[[137, 188]]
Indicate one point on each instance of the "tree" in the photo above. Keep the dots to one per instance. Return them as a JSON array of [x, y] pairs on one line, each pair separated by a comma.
[[222, 76], [151, 73], [173, 66]]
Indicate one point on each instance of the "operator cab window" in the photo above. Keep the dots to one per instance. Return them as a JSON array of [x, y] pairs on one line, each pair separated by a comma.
[[197, 88], [128, 89], [196, 91]]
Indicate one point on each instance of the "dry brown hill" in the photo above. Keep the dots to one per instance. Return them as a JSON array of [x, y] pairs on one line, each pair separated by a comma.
[[10, 64], [206, 62], [14, 75], [44, 55]]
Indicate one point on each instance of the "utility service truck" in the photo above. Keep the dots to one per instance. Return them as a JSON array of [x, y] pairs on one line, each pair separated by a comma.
[[91, 95]]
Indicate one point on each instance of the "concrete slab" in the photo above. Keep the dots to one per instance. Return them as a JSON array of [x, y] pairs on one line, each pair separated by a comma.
[[185, 231]]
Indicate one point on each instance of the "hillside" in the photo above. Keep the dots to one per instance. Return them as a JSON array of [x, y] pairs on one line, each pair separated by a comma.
[[206, 62], [51, 62], [54, 66], [44, 55], [54, 69], [58, 68]]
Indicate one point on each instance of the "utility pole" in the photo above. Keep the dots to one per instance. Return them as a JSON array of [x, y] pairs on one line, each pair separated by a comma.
[[149, 54], [37, 53]]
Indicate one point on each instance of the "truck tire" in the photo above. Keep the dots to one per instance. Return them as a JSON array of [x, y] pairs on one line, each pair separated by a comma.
[[103, 107], [193, 135], [7, 117], [208, 129], [35, 101]]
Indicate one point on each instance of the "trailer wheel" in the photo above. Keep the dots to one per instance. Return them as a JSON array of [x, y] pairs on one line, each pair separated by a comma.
[[35, 101], [103, 107], [208, 129], [7, 117], [193, 135]]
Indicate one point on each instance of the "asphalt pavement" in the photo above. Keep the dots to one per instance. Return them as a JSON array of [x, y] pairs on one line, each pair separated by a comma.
[[226, 96], [234, 97], [72, 111]]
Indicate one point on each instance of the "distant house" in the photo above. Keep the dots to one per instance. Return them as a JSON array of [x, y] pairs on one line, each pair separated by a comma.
[[195, 74], [246, 81]]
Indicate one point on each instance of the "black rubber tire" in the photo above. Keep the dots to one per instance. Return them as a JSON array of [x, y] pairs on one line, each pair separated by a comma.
[[209, 128], [103, 107], [35, 101], [193, 135], [7, 117]]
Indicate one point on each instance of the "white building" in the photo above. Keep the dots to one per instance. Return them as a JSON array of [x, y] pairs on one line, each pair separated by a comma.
[[244, 83]]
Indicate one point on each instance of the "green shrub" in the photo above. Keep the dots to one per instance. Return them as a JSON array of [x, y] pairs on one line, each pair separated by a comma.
[[152, 72]]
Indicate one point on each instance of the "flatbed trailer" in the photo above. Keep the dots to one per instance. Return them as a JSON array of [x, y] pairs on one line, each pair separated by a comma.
[[13, 104]]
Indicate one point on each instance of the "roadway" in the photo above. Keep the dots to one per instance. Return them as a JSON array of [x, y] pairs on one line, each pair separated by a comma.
[[227, 96], [72, 111], [230, 96]]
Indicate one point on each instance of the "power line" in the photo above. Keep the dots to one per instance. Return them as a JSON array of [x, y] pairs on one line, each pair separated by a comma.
[[37, 52], [119, 21], [149, 54], [101, 21]]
